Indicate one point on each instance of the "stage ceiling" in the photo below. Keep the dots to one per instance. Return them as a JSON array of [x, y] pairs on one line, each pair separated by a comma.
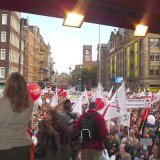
[[118, 13]]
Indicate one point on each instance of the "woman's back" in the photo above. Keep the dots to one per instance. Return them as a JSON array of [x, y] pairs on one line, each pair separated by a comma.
[[48, 154], [13, 125], [48, 146]]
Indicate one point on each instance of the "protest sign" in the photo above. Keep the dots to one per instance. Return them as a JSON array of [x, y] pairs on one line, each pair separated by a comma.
[[146, 141], [137, 103]]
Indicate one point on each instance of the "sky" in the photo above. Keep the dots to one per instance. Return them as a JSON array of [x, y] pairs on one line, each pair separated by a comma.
[[67, 42]]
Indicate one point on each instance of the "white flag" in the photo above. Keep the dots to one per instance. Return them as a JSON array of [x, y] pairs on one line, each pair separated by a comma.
[[125, 119], [139, 89], [110, 93], [56, 93], [85, 99], [54, 101], [77, 107], [158, 94], [128, 90], [117, 106]]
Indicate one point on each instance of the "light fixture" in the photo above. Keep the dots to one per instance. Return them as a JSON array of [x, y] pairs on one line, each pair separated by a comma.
[[140, 30], [73, 20]]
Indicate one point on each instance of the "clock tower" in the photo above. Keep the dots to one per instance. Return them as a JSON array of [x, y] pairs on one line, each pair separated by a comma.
[[87, 55]]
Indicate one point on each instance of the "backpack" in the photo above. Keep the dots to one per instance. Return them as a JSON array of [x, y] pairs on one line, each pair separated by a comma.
[[89, 129]]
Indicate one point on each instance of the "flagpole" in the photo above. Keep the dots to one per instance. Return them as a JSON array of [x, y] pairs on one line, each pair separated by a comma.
[[128, 135], [99, 54]]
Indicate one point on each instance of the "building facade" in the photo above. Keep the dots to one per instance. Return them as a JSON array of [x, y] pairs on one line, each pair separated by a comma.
[[11, 44], [22, 49], [133, 59], [36, 54]]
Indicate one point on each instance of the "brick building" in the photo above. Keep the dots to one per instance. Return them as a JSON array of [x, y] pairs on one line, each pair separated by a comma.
[[10, 46]]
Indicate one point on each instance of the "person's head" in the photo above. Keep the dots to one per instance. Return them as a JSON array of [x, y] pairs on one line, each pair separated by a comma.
[[125, 132], [135, 142], [44, 126], [45, 115], [138, 123], [121, 148], [155, 150], [31, 126], [133, 117], [16, 90], [126, 156], [58, 125], [92, 105], [53, 116], [135, 129], [132, 133], [116, 129], [67, 105]]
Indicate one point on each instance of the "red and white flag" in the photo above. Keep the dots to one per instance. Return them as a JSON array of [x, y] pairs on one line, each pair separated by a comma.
[[117, 105], [99, 98], [81, 101]]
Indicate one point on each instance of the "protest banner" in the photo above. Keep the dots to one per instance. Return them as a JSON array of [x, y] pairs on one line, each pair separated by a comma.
[[137, 103]]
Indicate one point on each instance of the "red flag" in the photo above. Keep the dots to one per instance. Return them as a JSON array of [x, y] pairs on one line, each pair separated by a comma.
[[145, 113], [144, 120], [62, 92]]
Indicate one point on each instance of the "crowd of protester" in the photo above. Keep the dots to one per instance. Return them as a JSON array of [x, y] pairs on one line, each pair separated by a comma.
[[56, 131], [121, 142]]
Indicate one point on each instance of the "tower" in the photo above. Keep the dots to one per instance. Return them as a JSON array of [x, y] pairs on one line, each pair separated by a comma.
[[87, 55]]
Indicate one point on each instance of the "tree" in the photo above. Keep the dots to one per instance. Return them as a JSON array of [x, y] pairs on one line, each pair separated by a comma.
[[83, 77], [89, 77]]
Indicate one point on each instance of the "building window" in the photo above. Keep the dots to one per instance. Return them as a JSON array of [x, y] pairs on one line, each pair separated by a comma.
[[15, 24], [157, 72], [157, 57], [151, 71], [4, 19], [2, 72], [154, 42], [3, 54], [151, 57], [3, 36]]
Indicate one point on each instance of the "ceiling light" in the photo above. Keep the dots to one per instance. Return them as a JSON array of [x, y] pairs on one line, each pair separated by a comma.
[[73, 20], [140, 30]]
